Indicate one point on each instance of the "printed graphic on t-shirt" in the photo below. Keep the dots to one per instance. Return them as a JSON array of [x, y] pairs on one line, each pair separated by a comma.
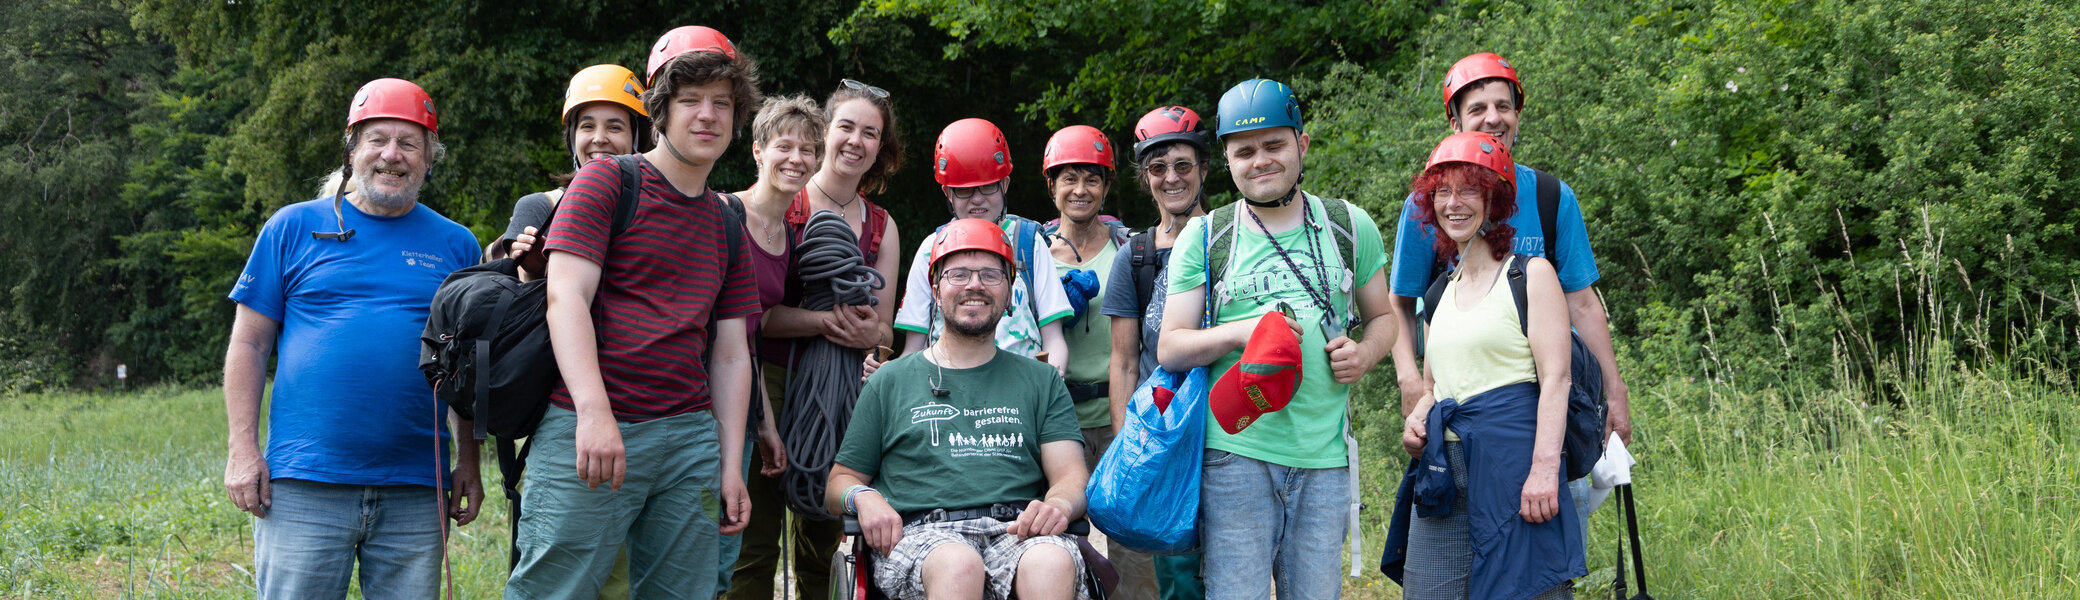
[[990, 432]]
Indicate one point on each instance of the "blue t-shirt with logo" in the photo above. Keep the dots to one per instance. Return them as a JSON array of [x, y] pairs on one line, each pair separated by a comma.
[[349, 404], [1415, 256]]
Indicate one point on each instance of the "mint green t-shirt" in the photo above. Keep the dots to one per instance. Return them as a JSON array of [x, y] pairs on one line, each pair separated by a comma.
[[1308, 433], [1090, 339], [978, 445]]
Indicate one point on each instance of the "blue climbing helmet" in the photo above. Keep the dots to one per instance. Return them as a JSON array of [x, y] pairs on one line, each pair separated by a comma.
[[1258, 104]]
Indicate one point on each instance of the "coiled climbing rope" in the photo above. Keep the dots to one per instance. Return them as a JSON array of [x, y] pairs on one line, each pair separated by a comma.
[[823, 383]]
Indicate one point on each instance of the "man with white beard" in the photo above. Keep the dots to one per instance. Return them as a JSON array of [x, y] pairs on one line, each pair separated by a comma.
[[356, 466]]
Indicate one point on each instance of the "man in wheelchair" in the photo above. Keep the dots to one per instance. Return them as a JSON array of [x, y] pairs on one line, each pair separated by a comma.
[[973, 455]]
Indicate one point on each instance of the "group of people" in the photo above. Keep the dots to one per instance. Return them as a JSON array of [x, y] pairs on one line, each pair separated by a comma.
[[674, 322]]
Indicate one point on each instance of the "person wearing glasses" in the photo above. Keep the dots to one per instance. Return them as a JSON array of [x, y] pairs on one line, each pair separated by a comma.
[[644, 435], [963, 462], [1170, 152], [355, 469], [972, 163]]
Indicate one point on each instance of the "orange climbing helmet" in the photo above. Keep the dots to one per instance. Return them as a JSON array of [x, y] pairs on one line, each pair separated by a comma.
[[389, 98], [971, 152], [604, 83], [1076, 144], [1474, 68], [689, 38]]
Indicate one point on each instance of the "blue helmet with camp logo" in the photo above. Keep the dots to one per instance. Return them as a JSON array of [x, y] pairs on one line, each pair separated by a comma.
[[1258, 104]]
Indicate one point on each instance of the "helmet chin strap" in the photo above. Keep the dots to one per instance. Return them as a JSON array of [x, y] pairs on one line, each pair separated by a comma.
[[674, 150], [1282, 200]]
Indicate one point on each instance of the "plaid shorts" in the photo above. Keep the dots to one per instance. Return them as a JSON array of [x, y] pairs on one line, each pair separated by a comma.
[[900, 573]]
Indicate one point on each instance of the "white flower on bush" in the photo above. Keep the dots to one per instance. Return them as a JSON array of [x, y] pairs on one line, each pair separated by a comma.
[[1732, 87]]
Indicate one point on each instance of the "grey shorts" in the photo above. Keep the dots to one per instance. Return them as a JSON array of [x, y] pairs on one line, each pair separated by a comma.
[[900, 573]]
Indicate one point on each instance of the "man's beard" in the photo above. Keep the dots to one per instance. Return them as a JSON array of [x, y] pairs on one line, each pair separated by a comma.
[[986, 328], [382, 201]]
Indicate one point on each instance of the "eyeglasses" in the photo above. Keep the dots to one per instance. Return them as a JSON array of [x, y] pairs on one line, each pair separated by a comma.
[[991, 276], [1469, 195], [877, 92], [992, 189], [1159, 169]]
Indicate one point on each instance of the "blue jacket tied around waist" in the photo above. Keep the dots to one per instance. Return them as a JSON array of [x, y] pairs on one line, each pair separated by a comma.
[[1512, 558]]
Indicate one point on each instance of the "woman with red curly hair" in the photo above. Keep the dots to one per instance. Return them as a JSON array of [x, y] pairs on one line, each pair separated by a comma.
[[1486, 433]]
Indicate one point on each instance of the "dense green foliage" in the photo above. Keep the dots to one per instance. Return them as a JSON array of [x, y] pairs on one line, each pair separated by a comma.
[[1769, 183]]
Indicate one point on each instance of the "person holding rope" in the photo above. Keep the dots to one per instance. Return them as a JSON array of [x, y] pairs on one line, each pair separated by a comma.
[[644, 434], [1077, 164], [1170, 153], [861, 150], [1491, 516], [1279, 486], [972, 452], [972, 164], [356, 467]]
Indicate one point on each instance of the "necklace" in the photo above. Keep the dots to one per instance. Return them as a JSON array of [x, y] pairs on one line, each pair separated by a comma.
[[842, 204], [1307, 226]]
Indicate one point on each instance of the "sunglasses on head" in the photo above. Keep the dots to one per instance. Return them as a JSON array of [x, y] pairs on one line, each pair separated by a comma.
[[854, 84]]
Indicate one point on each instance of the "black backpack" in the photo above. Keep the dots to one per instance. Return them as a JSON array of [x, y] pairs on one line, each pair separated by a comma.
[[1582, 442], [486, 347]]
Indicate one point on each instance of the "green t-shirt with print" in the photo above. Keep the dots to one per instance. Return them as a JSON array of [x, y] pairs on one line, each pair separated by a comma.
[[1308, 433], [1090, 339], [976, 446]]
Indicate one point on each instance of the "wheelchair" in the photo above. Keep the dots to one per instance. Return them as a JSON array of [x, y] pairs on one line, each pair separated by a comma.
[[852, 574]]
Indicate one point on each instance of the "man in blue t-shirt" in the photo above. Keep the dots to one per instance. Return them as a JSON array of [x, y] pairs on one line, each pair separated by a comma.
[[1482, 93], [356, 466]]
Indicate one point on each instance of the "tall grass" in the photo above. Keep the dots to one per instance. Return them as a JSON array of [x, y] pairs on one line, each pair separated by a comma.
[[1948, 467]]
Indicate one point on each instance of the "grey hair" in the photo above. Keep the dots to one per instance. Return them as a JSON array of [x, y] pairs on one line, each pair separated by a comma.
[[338, 182]]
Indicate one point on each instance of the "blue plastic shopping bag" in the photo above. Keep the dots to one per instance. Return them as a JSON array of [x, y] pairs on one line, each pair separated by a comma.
[[1145, 492]]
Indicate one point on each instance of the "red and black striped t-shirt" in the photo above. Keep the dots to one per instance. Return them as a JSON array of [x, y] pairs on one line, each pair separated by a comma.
[[659, 283]]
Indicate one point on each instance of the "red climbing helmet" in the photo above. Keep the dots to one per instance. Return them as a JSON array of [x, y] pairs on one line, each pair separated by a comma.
[[971, 152], [1477, 148], [1476, 67], [393, 99], [1076, 144], [1168, 124], [689, 38], [970, 234]]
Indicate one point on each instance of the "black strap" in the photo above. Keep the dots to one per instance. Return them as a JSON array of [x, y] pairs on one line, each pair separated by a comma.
[[1516, 266], [1142, 245], [631, 196], [1218, 222], [511, 465], [483, 363], [1639, 566], [1548, 213]]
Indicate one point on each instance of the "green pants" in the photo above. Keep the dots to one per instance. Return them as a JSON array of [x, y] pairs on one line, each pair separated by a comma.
[[666, 512]]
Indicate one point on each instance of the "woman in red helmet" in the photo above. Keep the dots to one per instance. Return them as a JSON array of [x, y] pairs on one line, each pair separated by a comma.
[[1170, 156], [1078, 166], [1469, 521]]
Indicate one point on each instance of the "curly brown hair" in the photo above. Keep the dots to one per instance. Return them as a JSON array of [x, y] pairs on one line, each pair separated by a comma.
[[696, 68]]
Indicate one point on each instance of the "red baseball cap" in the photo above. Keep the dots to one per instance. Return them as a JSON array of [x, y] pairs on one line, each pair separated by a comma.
[[1263, 381]]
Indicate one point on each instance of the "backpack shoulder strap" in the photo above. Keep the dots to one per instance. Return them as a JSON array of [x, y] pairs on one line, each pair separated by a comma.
[[1142, 249], [1218, 224], [1346, 240], [631, 195], [1023, 232], [1548, 213], [1516, 266], [733, 213], [1120, 232], [870, 238]]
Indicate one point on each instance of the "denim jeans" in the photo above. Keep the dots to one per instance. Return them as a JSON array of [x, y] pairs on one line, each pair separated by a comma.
[[307, 544], [666, 512], [1261, 522]]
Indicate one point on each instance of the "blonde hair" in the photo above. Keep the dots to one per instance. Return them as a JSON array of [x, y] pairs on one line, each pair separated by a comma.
[[789, 114]]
